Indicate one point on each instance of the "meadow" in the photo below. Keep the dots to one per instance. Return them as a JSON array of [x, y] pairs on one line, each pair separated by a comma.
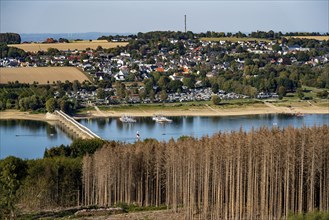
[[75, 45], [312, 37], [236, 39], [42, 75], [233, 39]]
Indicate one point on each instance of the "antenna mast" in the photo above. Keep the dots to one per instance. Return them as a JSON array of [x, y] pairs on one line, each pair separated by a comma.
[[185, 22]]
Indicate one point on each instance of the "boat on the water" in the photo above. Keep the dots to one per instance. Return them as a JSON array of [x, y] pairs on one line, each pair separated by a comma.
[[161, 118], [127, 119]]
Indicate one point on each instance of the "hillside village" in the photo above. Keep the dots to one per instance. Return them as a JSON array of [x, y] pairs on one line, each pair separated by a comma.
[[179, 69]]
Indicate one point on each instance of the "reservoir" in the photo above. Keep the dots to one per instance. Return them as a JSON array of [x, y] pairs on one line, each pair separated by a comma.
[[28, 139]]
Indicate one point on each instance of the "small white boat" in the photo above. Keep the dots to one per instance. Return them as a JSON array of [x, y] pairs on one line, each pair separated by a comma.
[[127, 119], [160, 119]]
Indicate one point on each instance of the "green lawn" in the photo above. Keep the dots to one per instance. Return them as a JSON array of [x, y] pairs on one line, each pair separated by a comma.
[[177, 106]]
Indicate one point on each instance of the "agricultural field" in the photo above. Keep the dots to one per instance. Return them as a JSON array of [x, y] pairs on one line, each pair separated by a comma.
[[236, 39], [75, 45], [42, 75], [233, 39], [312, 37]]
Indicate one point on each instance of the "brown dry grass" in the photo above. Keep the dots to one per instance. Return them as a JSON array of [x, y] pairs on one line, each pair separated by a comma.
[[312, 37], [79, 45], [42, 75], [233, 39]]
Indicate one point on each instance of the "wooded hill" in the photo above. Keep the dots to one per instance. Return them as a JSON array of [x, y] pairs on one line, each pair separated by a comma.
[[262, 174], [10, 38]]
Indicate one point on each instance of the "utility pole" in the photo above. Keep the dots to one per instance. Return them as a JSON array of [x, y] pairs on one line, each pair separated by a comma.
[[185, 22]]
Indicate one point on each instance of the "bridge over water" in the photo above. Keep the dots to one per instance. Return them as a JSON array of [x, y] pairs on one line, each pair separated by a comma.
[[77, 128]]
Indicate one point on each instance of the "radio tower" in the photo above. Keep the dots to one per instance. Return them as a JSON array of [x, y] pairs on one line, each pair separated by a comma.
[[185, 22]]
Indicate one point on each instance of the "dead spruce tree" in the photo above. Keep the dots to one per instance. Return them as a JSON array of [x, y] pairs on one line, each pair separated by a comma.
[[261, 174]]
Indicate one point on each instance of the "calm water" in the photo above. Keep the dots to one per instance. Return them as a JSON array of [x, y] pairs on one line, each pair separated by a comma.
[[114, 129], [28, 139]]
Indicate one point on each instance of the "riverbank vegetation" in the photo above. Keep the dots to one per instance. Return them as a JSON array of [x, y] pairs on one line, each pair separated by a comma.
[[34, 97]]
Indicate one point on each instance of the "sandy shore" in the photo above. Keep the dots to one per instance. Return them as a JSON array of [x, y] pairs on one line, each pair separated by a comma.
[[215, 111], [266, 108], [15, 114]]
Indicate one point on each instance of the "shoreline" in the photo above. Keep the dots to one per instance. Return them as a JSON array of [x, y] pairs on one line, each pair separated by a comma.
[[192, 111]]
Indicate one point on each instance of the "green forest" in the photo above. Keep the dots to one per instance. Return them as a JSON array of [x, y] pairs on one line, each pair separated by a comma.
[[10, 38]]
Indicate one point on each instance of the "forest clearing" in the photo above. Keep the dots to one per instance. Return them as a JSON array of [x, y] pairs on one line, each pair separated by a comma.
[[41, 75]]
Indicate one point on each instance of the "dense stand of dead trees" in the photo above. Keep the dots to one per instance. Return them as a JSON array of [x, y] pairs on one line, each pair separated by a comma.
[[262, 174]]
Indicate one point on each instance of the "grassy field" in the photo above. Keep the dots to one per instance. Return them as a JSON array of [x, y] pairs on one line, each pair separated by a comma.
[[312, 37], [76, 45], [236, 39], [42, 75], [184, 106], [233, 39]]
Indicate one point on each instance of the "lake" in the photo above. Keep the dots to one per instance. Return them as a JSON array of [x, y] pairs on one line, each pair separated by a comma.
[[28, 139]]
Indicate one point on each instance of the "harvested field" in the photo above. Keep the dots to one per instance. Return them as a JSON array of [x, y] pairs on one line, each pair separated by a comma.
[[312, 37], [233, 39], [236, 39], [42, 75], [78, 45]]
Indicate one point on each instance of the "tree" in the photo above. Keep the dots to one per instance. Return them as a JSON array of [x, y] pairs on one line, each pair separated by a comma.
[[174, 85], [303, 56], [215, 87], [66, 106], [10, 38], [238, 175], [152, 95], [142, 94], [156, 76], [300, 93], [163, 95], [322, 94], [215, 99], [12, 172], [120, 89], [76, 86], [189, 82], [284, 41], [63, 40], [2, 105], [281, 92], [276, 47], [51, 105], [34, 102], [101, 93], [81, 147], [52, 51], [163, 82], [8, 104], [148, 84]]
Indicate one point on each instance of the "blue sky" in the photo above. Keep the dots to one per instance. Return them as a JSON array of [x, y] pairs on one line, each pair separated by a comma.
[[73, 16]]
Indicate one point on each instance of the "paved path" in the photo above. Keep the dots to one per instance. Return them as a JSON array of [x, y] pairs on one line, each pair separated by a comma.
[[215, 110], [99, 111], [280, 109]]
